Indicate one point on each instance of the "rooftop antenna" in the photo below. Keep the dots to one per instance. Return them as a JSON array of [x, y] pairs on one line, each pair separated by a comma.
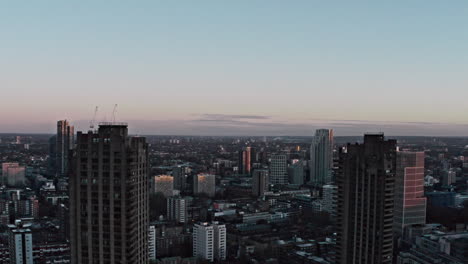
[[113, 113], [91, 123]]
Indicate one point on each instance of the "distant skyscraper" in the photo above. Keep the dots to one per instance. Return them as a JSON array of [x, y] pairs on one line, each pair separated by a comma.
[[179, 178], [65, 141], [204, 183], [278, 169], [109, 186], [365, 197], [163, 184], [410, 203], [321, 157], [260, 182], [177, 209], [209, 241], [296, 173], [13, 174], [20, 242], [246, 159]]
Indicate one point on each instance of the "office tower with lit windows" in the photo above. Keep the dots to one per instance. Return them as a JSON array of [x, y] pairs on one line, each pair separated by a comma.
[[365, 200], [259, 182], [109, 186], [278, 169], [209, 241], [65, 143], [321, 157], [410, 203], [163, 184], [204, 183]]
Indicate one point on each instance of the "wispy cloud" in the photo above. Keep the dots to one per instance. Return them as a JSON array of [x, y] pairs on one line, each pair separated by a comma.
[[209, 117]]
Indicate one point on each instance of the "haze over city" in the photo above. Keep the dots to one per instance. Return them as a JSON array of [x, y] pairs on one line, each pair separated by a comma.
[[237, 68]]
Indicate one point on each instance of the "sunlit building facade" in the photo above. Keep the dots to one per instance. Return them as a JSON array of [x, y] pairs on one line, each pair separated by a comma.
[[163, 184], [410, 203], [65, 140], [204, 183]]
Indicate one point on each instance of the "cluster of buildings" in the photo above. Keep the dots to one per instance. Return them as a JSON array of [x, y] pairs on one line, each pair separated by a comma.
[[106, 196]]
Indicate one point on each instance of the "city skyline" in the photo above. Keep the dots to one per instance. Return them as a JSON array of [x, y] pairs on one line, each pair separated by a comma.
[[290, 68]]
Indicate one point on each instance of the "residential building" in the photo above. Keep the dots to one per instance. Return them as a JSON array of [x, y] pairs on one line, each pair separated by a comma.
[[13, 174], [163, 184], [177, 209], [259, 182], [209, 241], [109, 186], [204, 183], [365, 200], [328, 198], [21, 243], [296, 173], [278, 169]]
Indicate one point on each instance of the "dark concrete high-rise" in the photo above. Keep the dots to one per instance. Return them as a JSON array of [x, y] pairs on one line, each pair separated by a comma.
[[259, 182], [109, 187], [365, 200], [65, 140], [179, 178]]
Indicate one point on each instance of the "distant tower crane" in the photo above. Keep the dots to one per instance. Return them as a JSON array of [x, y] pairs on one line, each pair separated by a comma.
[[91, 123], [113, 113]]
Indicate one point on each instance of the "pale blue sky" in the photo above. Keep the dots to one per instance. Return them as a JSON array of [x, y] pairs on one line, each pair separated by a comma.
[[168, 64]]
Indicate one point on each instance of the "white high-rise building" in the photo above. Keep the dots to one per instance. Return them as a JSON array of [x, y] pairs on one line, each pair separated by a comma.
[[152, 243], [204, 183], [177, 209], [321, 157], [278, 169], [164, 184], [209, 241], [20, 236]]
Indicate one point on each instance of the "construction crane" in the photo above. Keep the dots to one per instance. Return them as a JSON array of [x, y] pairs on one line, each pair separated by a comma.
[[113, 113], [91, 123]]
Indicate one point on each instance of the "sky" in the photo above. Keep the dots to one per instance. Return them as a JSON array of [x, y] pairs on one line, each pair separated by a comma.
[[244, 67]]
